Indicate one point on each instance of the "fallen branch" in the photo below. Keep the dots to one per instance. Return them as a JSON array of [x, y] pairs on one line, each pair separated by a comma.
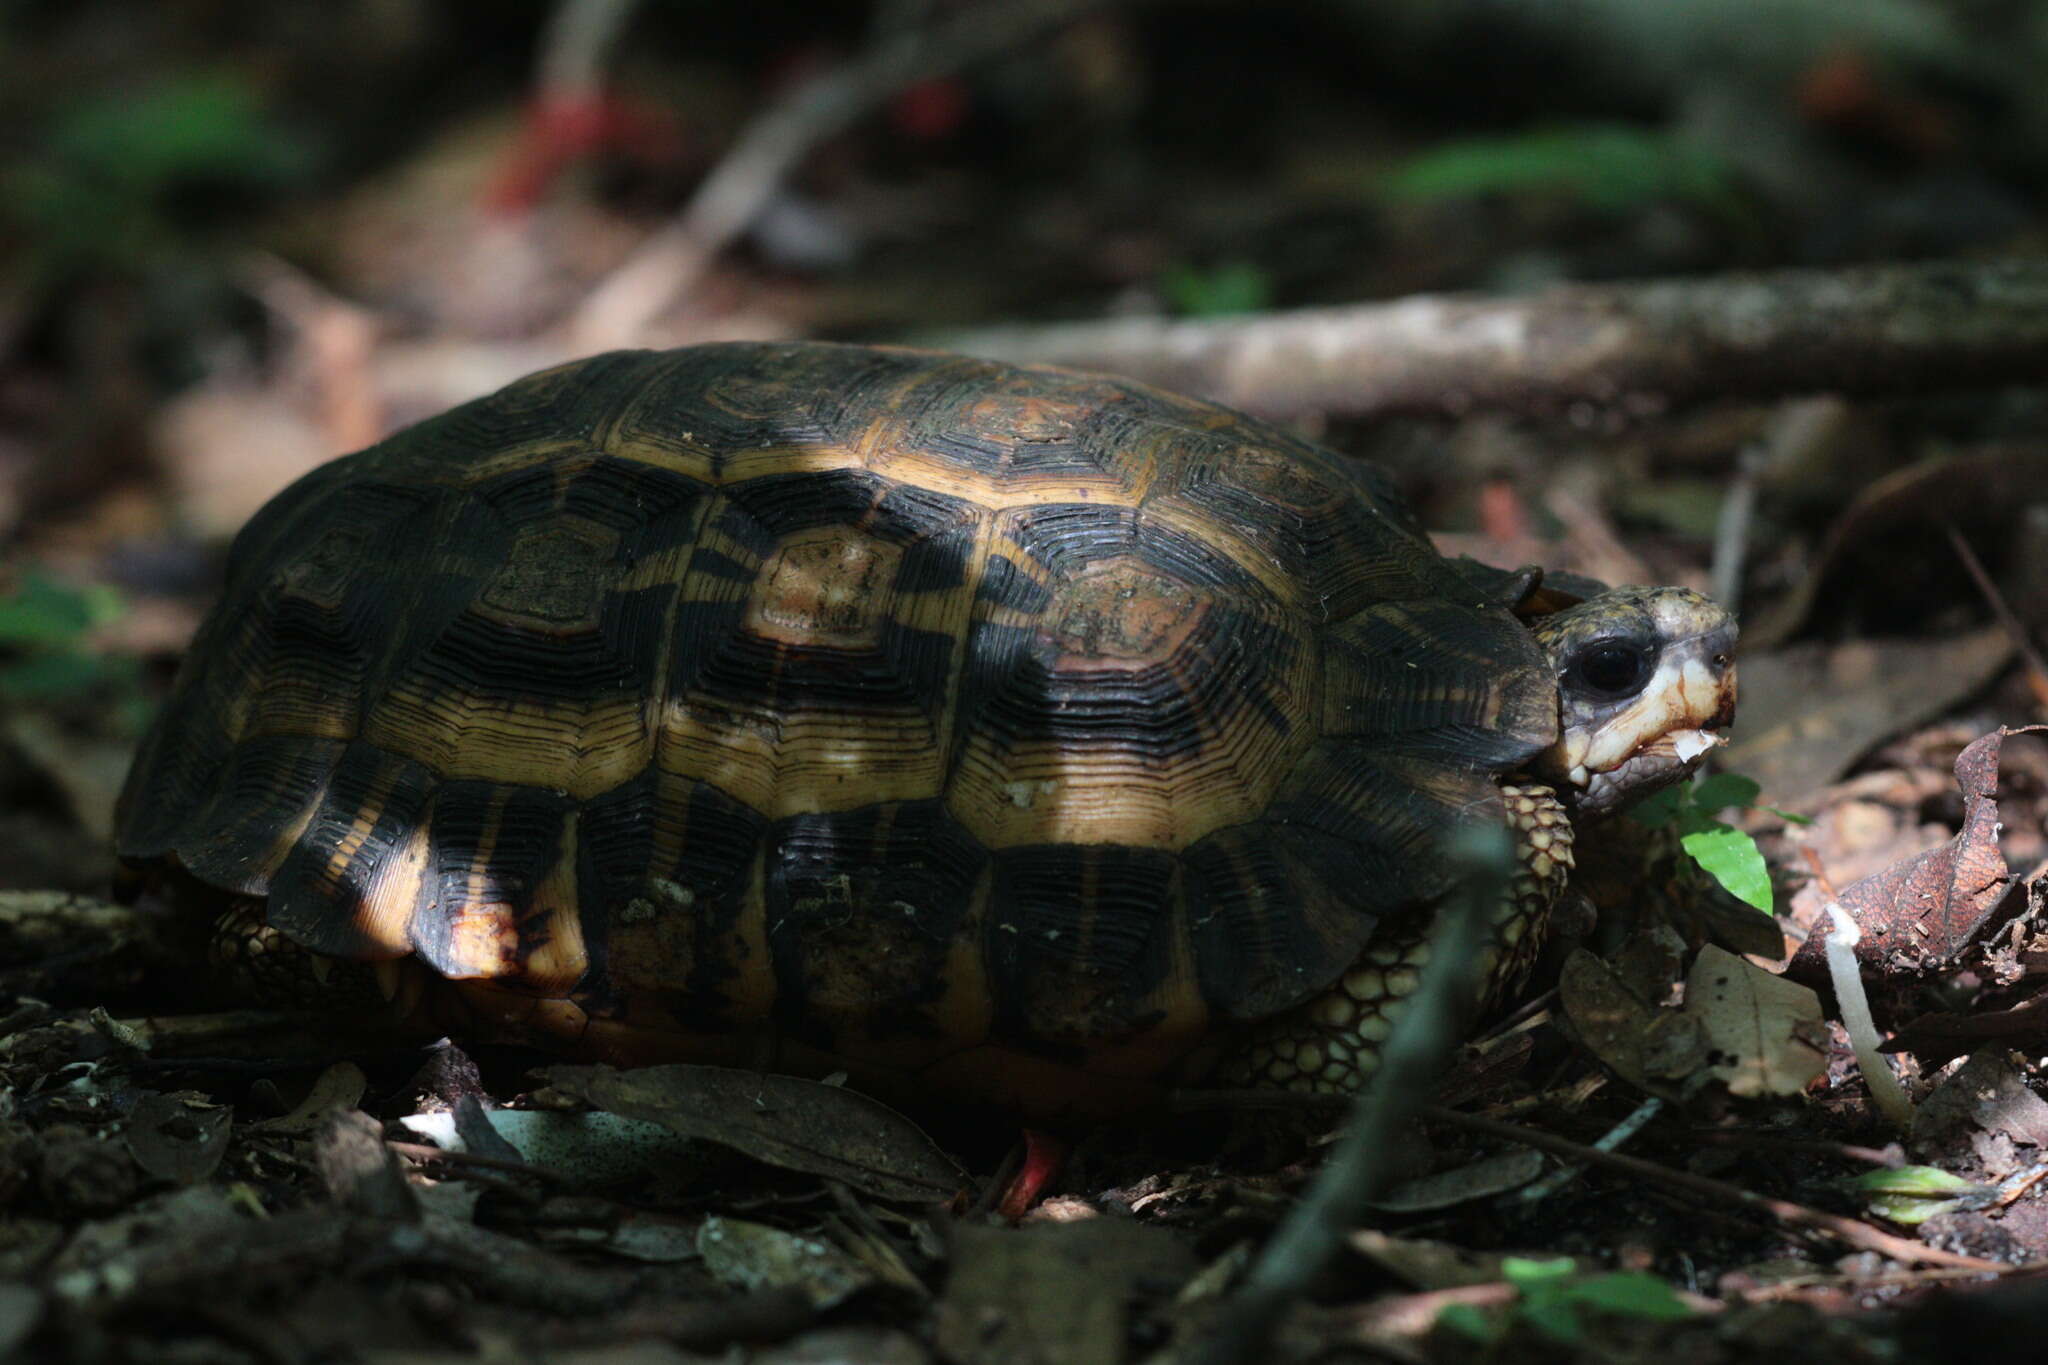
[[665, 266], [1640, 347]]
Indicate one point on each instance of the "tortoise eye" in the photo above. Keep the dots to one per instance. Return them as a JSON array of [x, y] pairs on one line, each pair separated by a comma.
[[1611, 669]]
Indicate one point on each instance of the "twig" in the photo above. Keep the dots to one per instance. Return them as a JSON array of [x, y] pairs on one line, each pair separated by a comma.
[[2037, 671], [1636, 346], [1731, 528], [1777, 1142], [665, 266], [573, 46], [1360, 1163], [1537, 1191], [1862, 1236]]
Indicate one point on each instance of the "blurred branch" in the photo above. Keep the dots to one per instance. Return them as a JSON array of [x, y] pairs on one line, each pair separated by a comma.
[[1425, 1034], [1642, 346], [579, 36], [666, 265]]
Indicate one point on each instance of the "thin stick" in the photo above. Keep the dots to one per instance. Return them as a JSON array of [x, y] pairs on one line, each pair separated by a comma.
[[1862, 1236], [575, 44], [665, 266], [2037, 671]]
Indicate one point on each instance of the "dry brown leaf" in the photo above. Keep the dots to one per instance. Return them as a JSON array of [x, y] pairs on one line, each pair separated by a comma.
[[1425, 1264], [1608, 1016], [1920, 914], [1767, 1032], [1986, 1094], [340, 1086]]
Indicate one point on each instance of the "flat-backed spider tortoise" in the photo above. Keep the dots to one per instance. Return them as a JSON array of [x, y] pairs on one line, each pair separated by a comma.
[[1015, 735]]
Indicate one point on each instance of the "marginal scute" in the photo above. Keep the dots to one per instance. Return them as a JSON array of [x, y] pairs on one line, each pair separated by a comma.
[[924, 713]]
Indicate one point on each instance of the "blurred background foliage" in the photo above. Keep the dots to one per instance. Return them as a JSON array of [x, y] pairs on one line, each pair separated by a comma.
[[238, 236]]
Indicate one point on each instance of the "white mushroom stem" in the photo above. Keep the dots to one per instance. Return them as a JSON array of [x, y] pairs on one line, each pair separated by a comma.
[[1885, 1091]]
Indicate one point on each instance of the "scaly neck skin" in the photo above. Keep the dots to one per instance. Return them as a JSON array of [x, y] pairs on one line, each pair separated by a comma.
[[1646, 681]]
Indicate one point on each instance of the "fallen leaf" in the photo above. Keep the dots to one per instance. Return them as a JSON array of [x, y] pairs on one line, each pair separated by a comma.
[[748, 1255], [1919, 915], [340, 1086], [1054, 1293], [1482, 1179], [1766, 1033], [784, 1121], [1986, 1093], [180, 1138], [1644, 1045]]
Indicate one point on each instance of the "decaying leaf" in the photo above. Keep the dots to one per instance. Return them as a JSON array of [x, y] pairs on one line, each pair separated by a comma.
[[1985, 1095], [1482, 1179], [180, 1138], [1648, 1047], [340, 1086], [1753, 1031], [1921, 914], [360, 1172], [784, 1121], [750, 1255], [1765, 1033], [1054, 1293]]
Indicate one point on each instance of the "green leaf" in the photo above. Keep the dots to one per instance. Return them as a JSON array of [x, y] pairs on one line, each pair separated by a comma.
[[1221, 290], [1469, 1321], [1731, 858], [1723, 790], [40, 613], [1909, 1210], [1525, 1272], [1551, 1314], [1610, 167], [52, 677], [1629, 1293], [121, 177], [1924, 1182], [1659, 808]]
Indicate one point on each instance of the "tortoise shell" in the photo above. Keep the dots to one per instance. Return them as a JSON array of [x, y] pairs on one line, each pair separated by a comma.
[[803, 704]]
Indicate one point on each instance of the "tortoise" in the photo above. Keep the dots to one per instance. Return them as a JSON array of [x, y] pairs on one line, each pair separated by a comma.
[[1008, 734]]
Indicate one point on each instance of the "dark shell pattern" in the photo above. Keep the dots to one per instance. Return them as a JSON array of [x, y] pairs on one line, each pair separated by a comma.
[[873, 703]]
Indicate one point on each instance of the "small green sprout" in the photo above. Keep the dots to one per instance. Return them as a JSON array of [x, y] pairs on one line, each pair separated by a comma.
[[1913, 1194], [1725, 853], [1551, 1296]]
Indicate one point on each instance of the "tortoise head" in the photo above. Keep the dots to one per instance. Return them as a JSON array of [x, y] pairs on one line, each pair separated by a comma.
[[1645, 681]]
